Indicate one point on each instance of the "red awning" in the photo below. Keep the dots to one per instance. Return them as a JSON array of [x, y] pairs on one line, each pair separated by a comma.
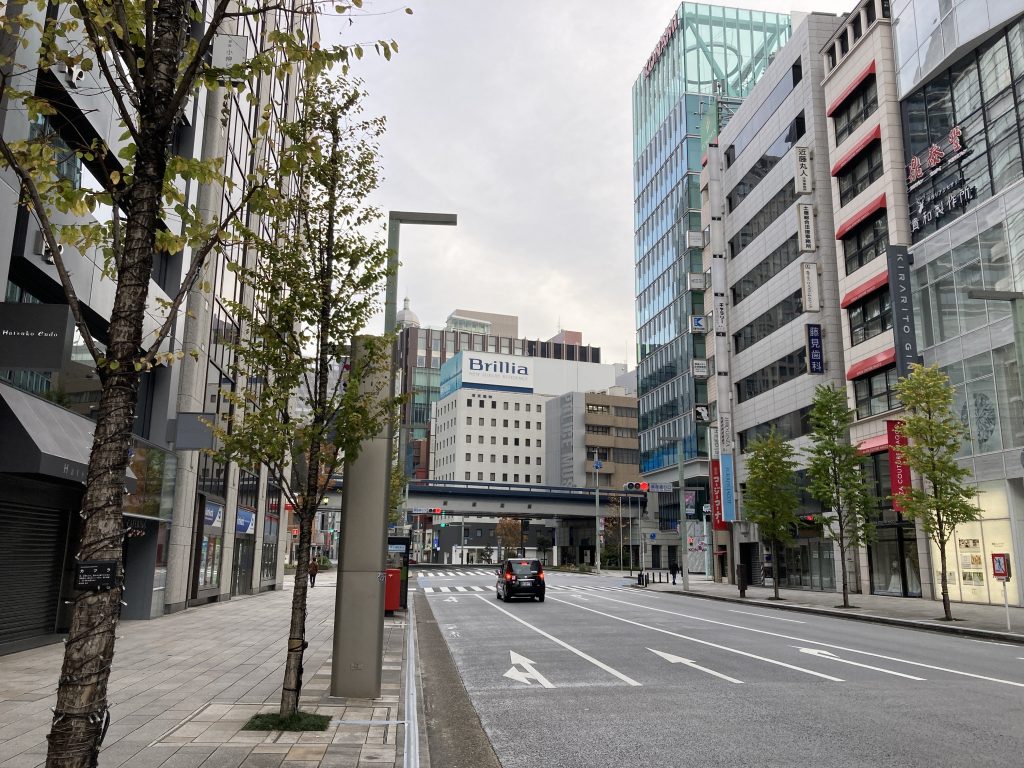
[[865, 288], [873, 444], [874, 135], [872, 363], [860, 216], [838, 102]]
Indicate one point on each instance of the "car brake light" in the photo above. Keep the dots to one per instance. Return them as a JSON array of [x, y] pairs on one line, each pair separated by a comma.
[[541, 575], [508, 576]]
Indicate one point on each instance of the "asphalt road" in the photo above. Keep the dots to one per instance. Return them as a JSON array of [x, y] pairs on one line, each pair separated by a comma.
[[602, 674]]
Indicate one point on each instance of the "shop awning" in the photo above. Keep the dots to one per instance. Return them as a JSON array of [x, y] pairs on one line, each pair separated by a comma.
[[38, 437]]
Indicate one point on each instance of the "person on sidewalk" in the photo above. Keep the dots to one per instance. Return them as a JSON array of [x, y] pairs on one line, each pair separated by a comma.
[[314, 569], [674, 570]]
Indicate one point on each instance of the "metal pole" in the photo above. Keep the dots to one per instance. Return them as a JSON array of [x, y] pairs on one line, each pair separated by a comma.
[[597, 518], [462, 539], [620, 532], [684, 524], [629, 516], [1006, 605], [707, 548]]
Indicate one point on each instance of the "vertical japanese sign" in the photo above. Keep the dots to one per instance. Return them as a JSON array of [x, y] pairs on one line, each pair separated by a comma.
[[802, 178], [805, 227], [815, 352], [728, 488], [810, 293], [716, 497], [904, 332], [899, 473]]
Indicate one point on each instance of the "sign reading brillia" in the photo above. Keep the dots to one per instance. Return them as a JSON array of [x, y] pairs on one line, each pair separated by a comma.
[[481, 370]]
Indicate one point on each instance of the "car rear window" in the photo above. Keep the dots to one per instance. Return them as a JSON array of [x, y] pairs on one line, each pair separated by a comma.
[[524, 567]]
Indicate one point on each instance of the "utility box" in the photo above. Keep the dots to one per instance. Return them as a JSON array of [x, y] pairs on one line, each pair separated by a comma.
[[392, 591]]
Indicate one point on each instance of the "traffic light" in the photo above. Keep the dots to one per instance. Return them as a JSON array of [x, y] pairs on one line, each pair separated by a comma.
[[637, 486], [440, 512]]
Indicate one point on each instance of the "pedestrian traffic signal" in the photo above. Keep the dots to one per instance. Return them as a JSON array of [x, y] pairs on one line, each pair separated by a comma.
[[637, 486]]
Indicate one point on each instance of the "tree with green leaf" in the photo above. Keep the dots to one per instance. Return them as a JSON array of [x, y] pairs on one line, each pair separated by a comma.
[[145, 61], [835, 477], [934, 435], [316, 280], [770, 496], [396, 490]]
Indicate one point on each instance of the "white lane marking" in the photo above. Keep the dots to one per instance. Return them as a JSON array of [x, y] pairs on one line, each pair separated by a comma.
[[461, 589], [821, 653], [701, 642], [690, 663], [552, 638], [990, 642], [527, 672], [766, 616], [817, 642], [444, 589]]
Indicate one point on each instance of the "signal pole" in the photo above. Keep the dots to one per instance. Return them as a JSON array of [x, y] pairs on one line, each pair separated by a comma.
[[597, 516]]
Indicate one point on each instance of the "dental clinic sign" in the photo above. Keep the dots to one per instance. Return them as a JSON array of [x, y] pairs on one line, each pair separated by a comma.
[[481, 370]]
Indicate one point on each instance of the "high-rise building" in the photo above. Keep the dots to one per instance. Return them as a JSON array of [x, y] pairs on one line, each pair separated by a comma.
[[775, 332], [704, 52], [422, 351]]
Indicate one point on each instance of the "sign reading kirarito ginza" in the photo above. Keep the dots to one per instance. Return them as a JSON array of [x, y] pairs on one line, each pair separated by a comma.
[[901, 296]]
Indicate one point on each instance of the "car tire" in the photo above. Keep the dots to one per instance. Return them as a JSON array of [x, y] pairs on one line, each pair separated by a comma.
[[540, 598], [505, 596]]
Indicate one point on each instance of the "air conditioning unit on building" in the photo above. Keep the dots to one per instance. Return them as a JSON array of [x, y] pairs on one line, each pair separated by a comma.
[[42, 249], [73, 75]]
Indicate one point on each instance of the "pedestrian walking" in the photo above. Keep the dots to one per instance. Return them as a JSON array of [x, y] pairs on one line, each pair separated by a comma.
[[674, 570], [314, 569]]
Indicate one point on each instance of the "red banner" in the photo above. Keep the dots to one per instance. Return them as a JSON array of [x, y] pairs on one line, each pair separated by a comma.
[[717, 523], [899, 473]]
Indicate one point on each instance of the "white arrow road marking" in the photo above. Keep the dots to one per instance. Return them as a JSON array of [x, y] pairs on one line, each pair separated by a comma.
[[814, 642], [701, 642], [527, 673], [680, 660], [821, 653], [766, 616], [552, 638]]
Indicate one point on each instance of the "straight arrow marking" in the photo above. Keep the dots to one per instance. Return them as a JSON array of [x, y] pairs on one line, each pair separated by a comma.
[[680, 660], [529, 672], [823, 654]]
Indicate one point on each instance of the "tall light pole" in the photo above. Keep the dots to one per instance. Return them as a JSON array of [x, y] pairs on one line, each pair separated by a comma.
[[597, 515]]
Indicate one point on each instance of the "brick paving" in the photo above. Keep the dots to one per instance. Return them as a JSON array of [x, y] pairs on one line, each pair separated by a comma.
[[183, 685]]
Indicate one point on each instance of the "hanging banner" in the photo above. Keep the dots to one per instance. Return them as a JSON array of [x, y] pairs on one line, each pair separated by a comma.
[[716, 497], [810, 292], [803, 179], [899, 473], [805, 227], [904, 333], [815, 351], [728, 489]]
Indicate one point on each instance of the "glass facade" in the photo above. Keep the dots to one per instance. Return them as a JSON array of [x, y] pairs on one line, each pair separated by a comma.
[[706, 53]]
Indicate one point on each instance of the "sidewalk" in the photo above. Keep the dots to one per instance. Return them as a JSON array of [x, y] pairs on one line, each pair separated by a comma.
[[183, 685], [970, 619]]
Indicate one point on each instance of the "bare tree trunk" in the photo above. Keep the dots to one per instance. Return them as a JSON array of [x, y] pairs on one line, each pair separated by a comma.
[[947, 609], [292, 686]]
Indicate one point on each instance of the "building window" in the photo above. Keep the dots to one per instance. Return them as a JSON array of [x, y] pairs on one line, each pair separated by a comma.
[[866, 242], [504, 477], [467, 475], [861, 104], [504, 441], [528, 407], [781, 371], [515, 478], [876, 393], [526, 479], [469, 421], [504, 423], [599, 429], [517, 424], [494, 422], [480, 422], [469, 438], [772, 210], [538, 407], [479, 475], [766, 269], [538, 461], [861, 173], [504, 406], [783, 313], [515, 441], [504, 459], [870, 316], [492, 477], [527, 442], [493, 458], [469, 403], [538, 445], [494, 440], [517, 406], [527, 459], [779, 148], [515, 459], [469, 456], [480, 457]]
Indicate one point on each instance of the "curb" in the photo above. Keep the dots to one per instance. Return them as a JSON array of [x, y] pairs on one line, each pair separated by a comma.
[[986, 634]]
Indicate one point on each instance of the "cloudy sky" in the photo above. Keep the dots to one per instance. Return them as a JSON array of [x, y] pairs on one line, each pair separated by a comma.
[[517, 117]]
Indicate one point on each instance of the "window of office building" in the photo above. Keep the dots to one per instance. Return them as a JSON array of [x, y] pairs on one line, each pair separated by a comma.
[[862, 103], [759, 222], [866, 242], [860, 173], [870, 316], [875, 393], [779, 148], [781, 371], [766, 269], [783, 313]]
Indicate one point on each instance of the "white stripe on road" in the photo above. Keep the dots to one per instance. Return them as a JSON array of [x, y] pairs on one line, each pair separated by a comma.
[[765, 616], [815, 642], [701, 642], [552, 638]]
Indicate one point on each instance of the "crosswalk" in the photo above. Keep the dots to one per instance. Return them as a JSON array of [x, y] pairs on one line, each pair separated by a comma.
[[450, 574], [549, 588]]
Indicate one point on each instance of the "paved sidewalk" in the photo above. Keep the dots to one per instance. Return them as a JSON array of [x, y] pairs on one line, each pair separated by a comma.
[[183, 685], [970, 619]]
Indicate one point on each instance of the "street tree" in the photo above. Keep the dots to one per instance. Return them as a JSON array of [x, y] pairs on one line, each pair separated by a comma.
[[148, 60], [314, 282], [934, 435], [835, 477], [770, 499], [509, 531]]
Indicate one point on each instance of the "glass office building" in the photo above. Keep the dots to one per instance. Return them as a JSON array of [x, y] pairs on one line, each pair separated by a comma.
[[705, 52]]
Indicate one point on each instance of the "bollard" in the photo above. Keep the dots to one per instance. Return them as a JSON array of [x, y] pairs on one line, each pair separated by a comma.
[[741, 579], [640, 579], [647, 579]]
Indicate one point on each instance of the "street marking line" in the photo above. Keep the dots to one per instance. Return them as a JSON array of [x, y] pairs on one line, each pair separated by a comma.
[[765, 616], [552, 638], [461, 589], [700, 642], [691, 663], [990, 642], [823, 654], [524, 675], [817, 642], [444, 589]]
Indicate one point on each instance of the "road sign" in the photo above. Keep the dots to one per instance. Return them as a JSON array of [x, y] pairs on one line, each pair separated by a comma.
[[1001, 566], [654, 536]]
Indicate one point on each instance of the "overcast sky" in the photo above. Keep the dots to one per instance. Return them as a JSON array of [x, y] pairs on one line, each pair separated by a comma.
[[517, 117]]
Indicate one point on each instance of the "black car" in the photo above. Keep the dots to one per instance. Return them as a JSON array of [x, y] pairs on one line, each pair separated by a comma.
[[520, 578]]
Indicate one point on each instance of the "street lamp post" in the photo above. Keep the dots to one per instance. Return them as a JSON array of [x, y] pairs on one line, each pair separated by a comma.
[[597, 516]]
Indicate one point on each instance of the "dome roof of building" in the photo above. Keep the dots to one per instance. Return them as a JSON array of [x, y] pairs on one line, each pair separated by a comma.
[[406, 318]]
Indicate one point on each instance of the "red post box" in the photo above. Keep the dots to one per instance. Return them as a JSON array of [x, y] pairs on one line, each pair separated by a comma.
[[392, 590]]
